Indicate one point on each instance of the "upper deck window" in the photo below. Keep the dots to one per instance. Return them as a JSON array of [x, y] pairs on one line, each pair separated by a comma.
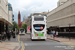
[[38, 18]]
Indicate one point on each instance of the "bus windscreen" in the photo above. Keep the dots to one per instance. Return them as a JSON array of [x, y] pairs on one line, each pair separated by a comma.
[[21, 29]]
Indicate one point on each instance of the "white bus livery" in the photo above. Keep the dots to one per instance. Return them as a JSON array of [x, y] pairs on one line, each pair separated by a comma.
[[21, 31], [38, 27]]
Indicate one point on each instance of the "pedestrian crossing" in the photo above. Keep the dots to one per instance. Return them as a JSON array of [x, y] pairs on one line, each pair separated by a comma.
[[41, 43]]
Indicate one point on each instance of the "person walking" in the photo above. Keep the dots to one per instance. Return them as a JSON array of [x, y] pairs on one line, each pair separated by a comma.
[[14, 34], [4, 35], [0, 32], [8, 35], [0, 38], [53, 33], [57, 33]]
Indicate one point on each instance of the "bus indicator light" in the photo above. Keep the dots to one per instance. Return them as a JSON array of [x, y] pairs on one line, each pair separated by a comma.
[[41, 28]]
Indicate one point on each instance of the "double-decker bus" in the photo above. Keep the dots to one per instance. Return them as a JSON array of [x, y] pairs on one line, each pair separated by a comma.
[[21, 31], [38, 27]]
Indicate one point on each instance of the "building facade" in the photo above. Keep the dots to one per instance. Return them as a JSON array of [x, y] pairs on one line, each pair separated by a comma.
[[10, 13], [4, 19], [27, 22], [24, 20], [60, 2], [62, 16], [4, 9]]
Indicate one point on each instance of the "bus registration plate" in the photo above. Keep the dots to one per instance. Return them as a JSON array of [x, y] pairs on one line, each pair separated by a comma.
[[39, 37]]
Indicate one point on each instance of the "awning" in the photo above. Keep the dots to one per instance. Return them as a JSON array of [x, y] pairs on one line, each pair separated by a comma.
[[7, 22]]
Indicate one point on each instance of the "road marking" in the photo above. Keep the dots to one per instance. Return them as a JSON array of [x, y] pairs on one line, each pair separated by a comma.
[[66, 43], [16, 48], [22, 44], [26, 44], [23, 47]]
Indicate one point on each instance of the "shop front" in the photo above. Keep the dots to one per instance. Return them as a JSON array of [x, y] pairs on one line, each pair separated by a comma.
[[4, 25]]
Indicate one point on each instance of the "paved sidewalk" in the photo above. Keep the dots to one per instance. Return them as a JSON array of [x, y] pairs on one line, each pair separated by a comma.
[[66, 41], [9, 46], [13, 44]]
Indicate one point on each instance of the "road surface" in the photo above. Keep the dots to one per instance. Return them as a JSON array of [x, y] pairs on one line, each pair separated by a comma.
[[27, 44]]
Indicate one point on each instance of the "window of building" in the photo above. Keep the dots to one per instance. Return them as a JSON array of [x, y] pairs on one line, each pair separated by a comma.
[[9, 4], [9, 8], [62, 2]]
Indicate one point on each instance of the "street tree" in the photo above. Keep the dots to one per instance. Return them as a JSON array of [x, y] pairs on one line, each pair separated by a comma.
[[24, 26], [15, 25]]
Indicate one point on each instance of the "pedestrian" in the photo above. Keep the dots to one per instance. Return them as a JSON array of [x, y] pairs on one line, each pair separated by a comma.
[[14, 34], [8, 35], [26, 31], [0, 32], [0, 38], [4, 35], [53, 33], [18, 31], [47, 32], [57, 33]]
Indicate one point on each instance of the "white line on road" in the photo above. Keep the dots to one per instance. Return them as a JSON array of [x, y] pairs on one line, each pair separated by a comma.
[[25, 44]]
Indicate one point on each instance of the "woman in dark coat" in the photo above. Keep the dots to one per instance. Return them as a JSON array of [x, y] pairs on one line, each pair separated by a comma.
[[8, 35]]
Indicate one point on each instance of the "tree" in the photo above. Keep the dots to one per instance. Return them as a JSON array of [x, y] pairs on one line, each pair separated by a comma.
[[15, 25], [24, 26]]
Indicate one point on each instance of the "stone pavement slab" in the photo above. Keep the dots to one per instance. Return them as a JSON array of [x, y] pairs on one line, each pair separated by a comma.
[[9, 45]]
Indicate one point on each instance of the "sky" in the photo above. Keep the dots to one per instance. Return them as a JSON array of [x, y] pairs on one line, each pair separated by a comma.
[[27, 7]]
